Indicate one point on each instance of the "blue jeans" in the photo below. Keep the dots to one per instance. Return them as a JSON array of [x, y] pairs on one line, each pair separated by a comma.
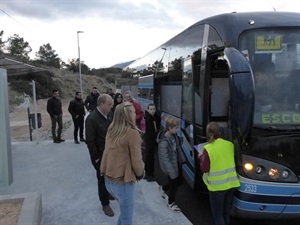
[[124, 195], [221, 202]]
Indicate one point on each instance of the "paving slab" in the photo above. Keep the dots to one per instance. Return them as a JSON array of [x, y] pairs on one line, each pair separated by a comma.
[[64, 177]]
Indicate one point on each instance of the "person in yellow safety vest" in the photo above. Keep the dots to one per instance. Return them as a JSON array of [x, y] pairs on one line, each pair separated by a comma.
[[218, 165]]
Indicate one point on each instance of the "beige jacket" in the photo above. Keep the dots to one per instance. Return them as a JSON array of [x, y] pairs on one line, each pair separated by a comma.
[[124, 163]]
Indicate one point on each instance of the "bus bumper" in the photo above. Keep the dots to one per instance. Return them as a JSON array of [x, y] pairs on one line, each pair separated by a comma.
[[266, 200]]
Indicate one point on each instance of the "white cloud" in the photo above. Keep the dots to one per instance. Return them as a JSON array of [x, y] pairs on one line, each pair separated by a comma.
[[114, 30]]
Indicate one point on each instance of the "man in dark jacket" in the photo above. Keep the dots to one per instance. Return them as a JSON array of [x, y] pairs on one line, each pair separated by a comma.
[[55, 111], [76, 109], [91, 100], [96, 126]]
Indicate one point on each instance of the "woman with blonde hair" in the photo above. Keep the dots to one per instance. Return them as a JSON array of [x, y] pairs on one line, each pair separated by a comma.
[[122, 163]]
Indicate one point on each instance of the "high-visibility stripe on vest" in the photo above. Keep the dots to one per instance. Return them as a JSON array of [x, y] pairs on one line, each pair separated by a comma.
[[222, 174]]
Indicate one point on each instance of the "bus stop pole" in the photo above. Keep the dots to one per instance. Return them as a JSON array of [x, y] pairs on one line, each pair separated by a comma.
[[35, 113], [29, 124]]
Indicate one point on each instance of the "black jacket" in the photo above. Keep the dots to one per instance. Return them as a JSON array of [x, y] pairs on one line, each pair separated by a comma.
[[54, 107], [96, 126], [151, 133], [76, 107], [91, 101]]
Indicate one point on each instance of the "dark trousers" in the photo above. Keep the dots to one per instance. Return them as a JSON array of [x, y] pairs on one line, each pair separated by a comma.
[[78, 125], [58, 120], [149, 159], [102, 191], [221, 202], [172, 187]]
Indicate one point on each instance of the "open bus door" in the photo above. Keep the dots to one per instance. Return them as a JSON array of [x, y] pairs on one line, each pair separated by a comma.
[[241, 84]]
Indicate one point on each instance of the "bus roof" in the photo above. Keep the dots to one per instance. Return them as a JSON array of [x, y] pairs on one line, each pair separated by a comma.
[[231, 25]]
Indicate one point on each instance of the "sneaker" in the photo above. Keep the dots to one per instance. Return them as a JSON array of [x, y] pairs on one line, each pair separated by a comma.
[[60, 140], [56, 141], [174, 207], [108, 211], [162, 192], [82, 139], [76, 142]]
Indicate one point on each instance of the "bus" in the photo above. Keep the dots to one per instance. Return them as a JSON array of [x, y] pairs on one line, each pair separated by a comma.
[[145, 90], [207, 73]]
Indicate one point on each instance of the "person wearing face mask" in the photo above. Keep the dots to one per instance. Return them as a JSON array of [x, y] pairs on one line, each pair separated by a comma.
[[219, 173], [152, 121]]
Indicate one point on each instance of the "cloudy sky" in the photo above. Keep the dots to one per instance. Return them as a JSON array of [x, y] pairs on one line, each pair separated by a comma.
[[114, 30]]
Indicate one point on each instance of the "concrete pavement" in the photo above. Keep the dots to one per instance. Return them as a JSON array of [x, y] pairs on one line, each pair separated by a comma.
[[63, 175]]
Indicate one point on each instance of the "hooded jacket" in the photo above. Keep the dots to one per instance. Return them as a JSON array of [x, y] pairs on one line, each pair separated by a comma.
[[170, 154]]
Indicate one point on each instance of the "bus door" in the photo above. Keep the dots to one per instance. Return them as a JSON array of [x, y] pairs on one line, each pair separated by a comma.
[[241, 104], [217, 75], [187, 106]]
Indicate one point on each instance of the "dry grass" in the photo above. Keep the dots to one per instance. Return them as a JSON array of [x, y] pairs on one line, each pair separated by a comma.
[[10, 212]]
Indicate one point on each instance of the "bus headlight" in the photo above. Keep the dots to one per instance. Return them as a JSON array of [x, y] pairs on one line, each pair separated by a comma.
[[265, 170], [248, 166], [273, 173]]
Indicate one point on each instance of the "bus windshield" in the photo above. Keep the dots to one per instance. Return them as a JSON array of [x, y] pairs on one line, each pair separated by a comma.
[[274, 55]]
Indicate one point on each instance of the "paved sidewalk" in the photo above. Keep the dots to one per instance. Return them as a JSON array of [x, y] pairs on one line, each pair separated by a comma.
[[63, 175]]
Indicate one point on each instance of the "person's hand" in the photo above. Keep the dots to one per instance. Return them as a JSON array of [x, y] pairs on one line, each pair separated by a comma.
[[96, 164], [76, 116], [142, 176]]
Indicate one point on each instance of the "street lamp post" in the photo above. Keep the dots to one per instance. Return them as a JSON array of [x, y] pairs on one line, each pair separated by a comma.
[[80, 79]]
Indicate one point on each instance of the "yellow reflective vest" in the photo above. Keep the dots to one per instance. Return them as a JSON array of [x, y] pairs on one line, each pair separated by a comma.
[[222, 174]]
